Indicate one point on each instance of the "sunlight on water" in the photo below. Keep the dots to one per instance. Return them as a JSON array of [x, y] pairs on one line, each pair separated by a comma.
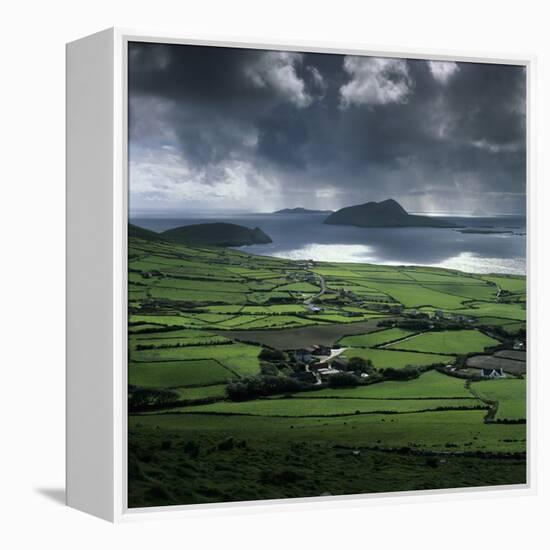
[[356, 253], [472, 263]]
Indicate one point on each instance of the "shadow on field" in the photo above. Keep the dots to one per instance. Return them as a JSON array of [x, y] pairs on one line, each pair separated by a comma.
[[294, 338]]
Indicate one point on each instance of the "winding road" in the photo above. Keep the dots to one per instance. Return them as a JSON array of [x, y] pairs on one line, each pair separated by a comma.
[[319, 294]]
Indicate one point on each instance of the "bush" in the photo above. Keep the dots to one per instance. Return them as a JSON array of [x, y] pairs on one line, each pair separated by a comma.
[[140, 399], [268, 369], [283, 477], [360, 365], [407, 373], [343, 379], [226, 444], [192, 449], [268, 354], [432, 462], [253, 387], [415, 324], [159, 492]]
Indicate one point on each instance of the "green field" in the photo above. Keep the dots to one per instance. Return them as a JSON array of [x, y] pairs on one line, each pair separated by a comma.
[[201, 392], [450, 342], [441, 430], [375, 338], [510, 395], [431, 384], [177, 373], [241, 359], [206, 323], [189, 459], [382, 358], [298, 407], [499, 310], [510, 283]]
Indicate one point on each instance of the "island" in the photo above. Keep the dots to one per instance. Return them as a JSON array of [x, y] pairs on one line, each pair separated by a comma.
[[136, 232], [388, 213], [300, 210], [216, 234], [474, 231]]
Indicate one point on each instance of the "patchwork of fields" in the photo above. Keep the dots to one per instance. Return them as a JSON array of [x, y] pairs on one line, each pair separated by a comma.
[[227, 401]]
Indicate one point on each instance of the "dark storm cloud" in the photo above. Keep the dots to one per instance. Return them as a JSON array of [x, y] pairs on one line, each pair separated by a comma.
[[280, 128]]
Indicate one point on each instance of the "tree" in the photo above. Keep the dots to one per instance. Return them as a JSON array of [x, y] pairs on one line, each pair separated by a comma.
[[406, 373], [360, 365], [252, 387], [268, 354], [268, 369], [343, 379], [143, 398]]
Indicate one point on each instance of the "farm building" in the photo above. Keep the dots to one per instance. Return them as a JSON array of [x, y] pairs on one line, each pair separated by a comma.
[[519, 346], [304, 355], [493, 373], [327, 371], [319, 349]]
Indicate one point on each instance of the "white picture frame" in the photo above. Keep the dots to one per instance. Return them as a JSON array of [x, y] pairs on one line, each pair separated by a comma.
[[97, 218]]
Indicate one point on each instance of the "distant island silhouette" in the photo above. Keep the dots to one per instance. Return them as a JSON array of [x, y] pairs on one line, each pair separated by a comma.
[[300, 210], [388, 213], [207, 234]]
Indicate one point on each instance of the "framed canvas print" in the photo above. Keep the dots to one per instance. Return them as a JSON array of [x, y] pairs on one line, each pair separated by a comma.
[[295, 274]]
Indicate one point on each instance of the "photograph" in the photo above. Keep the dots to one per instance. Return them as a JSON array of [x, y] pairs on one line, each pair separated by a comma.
[[327, 261]]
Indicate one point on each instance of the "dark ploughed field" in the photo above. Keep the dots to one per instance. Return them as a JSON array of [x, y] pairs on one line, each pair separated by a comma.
[[302, 337]]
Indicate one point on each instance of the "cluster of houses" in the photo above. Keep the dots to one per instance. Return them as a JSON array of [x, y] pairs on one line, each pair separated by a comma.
[[374, 302], [297, 275], [492, 373], [440, 315], [305, 264], [387, 308], [311, 353], [319, 365]]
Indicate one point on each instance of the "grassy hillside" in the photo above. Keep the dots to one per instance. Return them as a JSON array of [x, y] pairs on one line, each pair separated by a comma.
[[222, 408], [136, 232]]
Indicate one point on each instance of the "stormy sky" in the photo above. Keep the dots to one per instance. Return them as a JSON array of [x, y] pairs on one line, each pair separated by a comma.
[[223, 129]]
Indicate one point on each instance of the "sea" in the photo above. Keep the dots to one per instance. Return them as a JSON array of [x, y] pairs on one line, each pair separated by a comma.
[[304, 236]]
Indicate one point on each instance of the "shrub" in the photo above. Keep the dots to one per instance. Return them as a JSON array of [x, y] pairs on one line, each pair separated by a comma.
[[226, 444], [343, 379], [432, 462], [407, 373], [282, 477], [269, 354], [267, 369], [192, 448], [159, 492], [144, 398], [360, 365], [252, 387]]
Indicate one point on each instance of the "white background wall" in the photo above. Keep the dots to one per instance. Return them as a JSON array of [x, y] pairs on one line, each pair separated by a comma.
[[32, 270]]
